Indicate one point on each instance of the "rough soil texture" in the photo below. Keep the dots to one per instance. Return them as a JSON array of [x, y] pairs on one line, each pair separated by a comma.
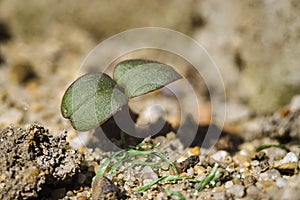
[[35, 162], [43, 46]]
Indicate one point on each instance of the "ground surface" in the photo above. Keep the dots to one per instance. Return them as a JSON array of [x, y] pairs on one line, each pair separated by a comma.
[[257, 155], [39, 164]]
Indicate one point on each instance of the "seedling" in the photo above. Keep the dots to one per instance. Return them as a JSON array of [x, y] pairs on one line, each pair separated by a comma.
[[179, 195], [262, 147], [131, 156], [93, 98], [113, 162], [200, 184]]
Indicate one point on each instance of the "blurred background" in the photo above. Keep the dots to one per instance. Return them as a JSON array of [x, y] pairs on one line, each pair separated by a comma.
[[254, 43]]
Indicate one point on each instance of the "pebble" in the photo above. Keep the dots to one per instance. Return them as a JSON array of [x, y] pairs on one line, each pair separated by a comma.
[[219, 196], [281, 182], [194, 151], [103, 188], [295, 103], [228, 184], [219, 155], [198, 169], [70, 193], [274, 153], [160, 196], [147, 173], [188, 163], [289, 193], [253, 192], [243, 160], [190, 171], [254, 163], [249, 180], [265, 185], [272, 174], [289, 162], [81, 197], [237, 190]]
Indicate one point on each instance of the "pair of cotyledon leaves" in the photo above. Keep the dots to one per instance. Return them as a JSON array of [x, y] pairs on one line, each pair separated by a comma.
[[93, 98]]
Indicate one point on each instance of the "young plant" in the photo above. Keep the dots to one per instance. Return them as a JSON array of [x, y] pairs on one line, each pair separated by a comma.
[[93, 98]]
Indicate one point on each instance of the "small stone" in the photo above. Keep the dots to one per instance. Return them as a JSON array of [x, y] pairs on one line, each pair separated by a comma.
[[190, 171], [281, 182], [188, 163], [70, 193], [219, 196], [194, 151], [265, 185], [237, 190], [220, 155], [253, 192], [254, 163], [148, 173], [272, 174], [160, 196], [243, 160], [289, 162], [249, 180], [295, 103], [103, 188], [228, 184], [81, 198], [274, 153], [289, 193], [198, 169]]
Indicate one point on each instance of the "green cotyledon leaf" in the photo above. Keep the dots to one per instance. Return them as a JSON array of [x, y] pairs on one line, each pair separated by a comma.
[[91, 100], [139, 77]]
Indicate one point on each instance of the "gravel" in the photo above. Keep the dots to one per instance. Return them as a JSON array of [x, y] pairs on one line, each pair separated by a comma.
[[39, 164], [245, 174]]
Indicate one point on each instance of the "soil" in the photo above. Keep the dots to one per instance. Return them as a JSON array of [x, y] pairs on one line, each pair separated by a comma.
[[38, 164], [43, 157]]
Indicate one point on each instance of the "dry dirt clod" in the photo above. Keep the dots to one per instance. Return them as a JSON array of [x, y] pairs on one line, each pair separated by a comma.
[[104, 189], [188, 163], [34, 162]]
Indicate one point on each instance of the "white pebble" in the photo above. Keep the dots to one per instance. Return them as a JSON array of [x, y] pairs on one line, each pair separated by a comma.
[[237, 190], [280, 182], [220, 155], [148, 173], [228, 184], [295, 103], [190, 171], [290, 158], [254, 163]]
